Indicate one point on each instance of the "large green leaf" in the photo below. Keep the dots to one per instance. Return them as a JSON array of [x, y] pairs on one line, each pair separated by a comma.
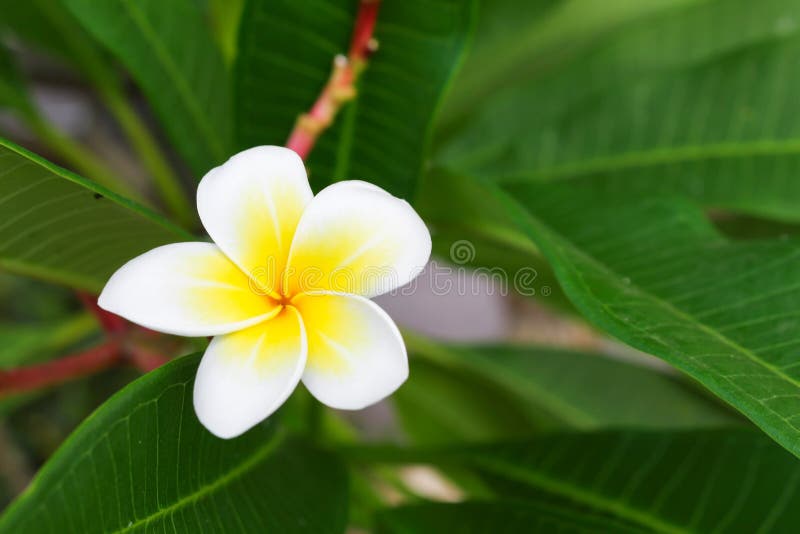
[[660, 106], [657, 275], [724, 480], [496, 517], [142, 463], [580, 389], [172, 55], [285, 56], [60, 227], [519, 40]]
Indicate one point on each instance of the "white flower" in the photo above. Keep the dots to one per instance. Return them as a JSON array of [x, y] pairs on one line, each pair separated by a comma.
[[284, 289]]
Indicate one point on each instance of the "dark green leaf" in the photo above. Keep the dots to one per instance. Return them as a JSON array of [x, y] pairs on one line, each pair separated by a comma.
[[285, 56], [60, 227], [172, 55], [13, 93], [701, 481], [143, 462], [496, 517]]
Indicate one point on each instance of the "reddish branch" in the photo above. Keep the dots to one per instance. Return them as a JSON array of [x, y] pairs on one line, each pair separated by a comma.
[[57, 371], [339, 89], [341, 86]]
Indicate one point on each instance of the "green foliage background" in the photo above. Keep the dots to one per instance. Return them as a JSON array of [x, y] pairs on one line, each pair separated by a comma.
[[642, 156]]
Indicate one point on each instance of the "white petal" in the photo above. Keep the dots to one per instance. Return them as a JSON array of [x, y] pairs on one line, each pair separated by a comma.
[[250, 207], [187, 289], [356, 355], [356, 238], [245, 376]]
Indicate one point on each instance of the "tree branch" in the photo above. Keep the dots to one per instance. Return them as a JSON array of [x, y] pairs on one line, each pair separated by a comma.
[[341, 86]]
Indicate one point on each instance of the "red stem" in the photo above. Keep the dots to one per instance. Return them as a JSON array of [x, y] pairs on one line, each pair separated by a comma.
[[341, 84], [111, 323], [57, 371]]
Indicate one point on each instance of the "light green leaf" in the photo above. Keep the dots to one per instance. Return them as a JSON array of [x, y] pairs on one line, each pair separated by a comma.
[[581, 390], [143, 462], [656, 274], [662, 106], [499, 516], [171, 54], [60, 227], [286, 52], [22, 344]]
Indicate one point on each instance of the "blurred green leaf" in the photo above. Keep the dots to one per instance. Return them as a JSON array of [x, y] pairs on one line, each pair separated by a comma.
[[60, 227], [540, 388], [171, 54], [496, 517], [286, 51], [440, 404], [664, 106], [657, 275], [585, 390], [142, 461], [22, 344]]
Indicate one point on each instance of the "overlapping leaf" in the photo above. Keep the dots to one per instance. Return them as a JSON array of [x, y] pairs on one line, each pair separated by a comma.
[[664, 105], [57, 226], [143, 462], [285, 56]]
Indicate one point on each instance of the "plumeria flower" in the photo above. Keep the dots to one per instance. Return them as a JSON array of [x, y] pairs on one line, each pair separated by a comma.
[[284, 289]]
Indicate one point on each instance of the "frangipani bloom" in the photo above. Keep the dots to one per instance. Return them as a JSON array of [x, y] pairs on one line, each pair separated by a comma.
[[284, 289]]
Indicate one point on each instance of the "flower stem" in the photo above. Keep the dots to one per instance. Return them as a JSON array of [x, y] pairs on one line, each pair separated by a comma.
[[341, 86], [166, 182]]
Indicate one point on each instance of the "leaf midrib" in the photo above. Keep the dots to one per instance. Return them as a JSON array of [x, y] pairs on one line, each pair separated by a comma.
[[146, 28], [657, 156], [229, 476], [670, 308]]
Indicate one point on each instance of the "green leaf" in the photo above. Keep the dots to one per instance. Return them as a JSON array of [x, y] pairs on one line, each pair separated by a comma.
[[663, 106], [442, 404], [657, 275], [499, 516], [581, 390], [286, 51], [698, 481], [143, 462], [171, 54], [60, 227]]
